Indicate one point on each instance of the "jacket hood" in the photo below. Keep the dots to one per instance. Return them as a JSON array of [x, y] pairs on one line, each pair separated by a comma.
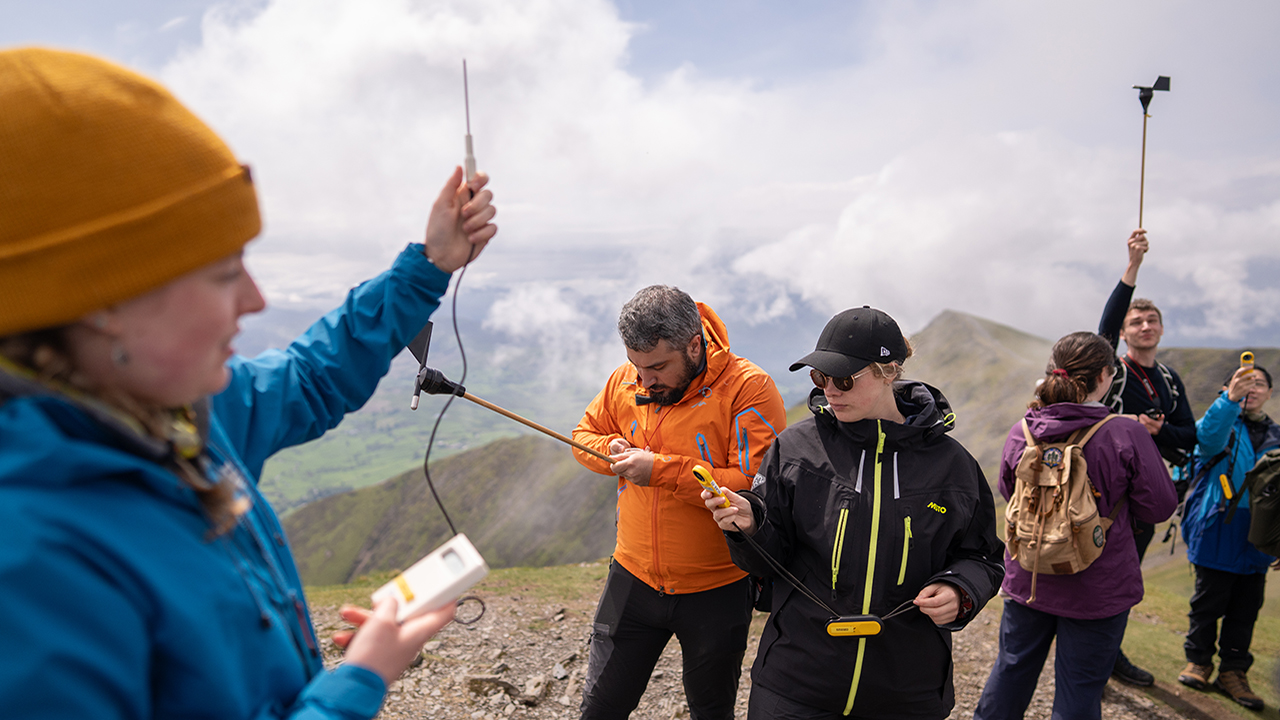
[[717, 351], [927, 410], [1059, 419]]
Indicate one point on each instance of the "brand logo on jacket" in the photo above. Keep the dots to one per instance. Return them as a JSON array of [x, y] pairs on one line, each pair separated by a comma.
[[937, 508]]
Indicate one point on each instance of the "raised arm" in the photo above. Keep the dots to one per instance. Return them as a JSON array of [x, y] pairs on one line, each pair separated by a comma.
[[1118, 304], [285, 397]]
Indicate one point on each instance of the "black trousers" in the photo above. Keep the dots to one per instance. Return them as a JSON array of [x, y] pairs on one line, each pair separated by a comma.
[[1234, 598], [632, 626]]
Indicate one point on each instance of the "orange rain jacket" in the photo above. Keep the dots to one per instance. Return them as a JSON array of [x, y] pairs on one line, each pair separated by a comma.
[[726, 421]]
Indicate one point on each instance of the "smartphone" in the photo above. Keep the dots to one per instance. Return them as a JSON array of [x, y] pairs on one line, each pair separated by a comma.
[[705, 480]]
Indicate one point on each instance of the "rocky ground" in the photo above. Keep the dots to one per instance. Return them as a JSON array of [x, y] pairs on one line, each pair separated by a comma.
[[526, 659]]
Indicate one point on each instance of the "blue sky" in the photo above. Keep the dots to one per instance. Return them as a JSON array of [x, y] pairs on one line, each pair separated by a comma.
[[780, 160]]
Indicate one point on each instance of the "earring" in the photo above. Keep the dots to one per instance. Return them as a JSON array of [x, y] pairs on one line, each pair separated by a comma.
[[118, 355]]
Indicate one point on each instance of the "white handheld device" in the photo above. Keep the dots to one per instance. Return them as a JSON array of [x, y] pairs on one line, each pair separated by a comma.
[[436, 580]]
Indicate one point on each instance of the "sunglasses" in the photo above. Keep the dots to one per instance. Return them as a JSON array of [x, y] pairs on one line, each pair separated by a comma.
[[843, 384]]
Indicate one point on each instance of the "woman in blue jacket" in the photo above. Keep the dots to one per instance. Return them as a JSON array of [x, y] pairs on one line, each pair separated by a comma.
[[1230, 572], [143, 574]]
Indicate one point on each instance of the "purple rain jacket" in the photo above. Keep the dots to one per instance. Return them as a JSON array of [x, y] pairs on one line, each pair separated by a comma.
[[1122, 459]]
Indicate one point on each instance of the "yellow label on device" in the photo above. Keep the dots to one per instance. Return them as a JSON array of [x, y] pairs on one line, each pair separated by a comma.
[[853, 628], [705, 480], [1226, 486], [404, 588]]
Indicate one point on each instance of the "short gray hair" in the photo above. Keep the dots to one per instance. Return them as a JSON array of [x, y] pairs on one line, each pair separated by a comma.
[[659, 312]]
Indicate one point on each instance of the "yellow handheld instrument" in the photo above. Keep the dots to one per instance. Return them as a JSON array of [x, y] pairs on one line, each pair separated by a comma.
[[705, 480], [854, 626], [1246, 361]]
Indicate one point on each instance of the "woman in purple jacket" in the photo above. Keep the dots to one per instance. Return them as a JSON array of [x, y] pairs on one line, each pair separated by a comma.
[[1087, 611]]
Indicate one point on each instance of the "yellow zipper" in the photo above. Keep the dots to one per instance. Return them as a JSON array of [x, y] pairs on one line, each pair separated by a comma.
[[871, 569], [838, 550], [906, 548]]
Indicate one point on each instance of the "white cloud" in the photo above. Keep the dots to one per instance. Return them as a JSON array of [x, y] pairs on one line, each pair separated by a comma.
[[557, 342], [979, 155]]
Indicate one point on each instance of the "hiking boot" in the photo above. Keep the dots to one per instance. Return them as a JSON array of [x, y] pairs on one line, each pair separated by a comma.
[[1132, 674], [1235, 684], [1196, 676]]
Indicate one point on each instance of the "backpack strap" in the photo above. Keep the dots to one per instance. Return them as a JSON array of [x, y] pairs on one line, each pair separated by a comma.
[[1207, 466], [1089, 435], [1115, 509], [1026, 433], [1168, 383], [1115, 396]]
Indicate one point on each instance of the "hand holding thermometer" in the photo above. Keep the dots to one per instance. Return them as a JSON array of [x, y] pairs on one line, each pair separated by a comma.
[[470, 161], [705, 480]]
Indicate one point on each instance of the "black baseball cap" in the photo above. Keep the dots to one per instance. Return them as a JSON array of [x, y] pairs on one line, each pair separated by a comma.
[[854, 339]]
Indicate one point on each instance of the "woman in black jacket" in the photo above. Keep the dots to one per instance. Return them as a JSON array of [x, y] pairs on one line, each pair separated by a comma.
[[874, 511]]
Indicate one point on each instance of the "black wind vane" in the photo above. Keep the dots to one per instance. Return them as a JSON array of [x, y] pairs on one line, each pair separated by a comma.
[[1144, 96]]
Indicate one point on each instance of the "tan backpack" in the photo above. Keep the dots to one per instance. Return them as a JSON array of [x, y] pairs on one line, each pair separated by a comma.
[[1052, 524]]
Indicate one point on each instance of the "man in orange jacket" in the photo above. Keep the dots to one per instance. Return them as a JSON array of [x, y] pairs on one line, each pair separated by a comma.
[[682, 400]]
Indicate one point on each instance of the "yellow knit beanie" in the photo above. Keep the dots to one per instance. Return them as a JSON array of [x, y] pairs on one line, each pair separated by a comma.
[[109, 188]]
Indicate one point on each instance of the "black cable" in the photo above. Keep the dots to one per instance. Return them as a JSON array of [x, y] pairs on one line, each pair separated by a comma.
[[786, 575], [426, 469]]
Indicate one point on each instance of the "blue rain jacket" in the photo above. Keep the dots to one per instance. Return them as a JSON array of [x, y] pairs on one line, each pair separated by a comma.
[[1211, 540], [118, 604]]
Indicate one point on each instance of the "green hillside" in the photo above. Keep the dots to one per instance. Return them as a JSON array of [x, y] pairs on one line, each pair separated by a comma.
[[522, 502]]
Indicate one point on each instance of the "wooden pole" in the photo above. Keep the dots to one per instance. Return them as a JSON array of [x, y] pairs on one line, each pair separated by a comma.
[[536, 426], [1142, 174]]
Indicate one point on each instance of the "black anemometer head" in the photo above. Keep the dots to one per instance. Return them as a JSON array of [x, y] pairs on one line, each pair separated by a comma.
[[1146, 93]]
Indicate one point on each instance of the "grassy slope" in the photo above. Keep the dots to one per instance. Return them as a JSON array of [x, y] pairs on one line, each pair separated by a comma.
[[552, 583], [522, 501], [1157, 627]]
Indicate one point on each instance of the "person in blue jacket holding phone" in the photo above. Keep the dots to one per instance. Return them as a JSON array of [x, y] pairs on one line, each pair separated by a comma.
[[1231, 573], [142, 574]]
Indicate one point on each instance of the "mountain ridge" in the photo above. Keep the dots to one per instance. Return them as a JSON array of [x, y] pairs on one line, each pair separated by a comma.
[[524, 501]]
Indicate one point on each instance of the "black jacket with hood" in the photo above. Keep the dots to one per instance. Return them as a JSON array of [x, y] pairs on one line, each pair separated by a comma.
[[866, 514]]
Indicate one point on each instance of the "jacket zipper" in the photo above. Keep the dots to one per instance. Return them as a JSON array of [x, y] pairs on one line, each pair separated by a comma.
[[838, 549], [906, 548], [871, 568]]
